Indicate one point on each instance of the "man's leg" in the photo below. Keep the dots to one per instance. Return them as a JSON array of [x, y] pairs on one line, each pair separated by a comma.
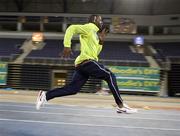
[[97, 70], [77, 82]]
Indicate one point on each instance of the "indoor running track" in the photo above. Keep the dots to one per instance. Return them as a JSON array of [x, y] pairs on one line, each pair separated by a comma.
[[21, 119]]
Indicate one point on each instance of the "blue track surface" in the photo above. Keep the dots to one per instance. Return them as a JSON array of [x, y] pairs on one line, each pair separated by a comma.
[[21, 119]]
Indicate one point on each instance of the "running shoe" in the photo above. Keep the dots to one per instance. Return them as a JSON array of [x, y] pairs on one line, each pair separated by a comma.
[[126, 109], [41, 99]]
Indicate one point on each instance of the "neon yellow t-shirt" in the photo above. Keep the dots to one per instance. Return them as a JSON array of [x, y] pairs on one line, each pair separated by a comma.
[[90, 47]]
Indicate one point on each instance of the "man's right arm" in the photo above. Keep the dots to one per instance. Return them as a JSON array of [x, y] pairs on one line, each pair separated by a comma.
[[102, 34]]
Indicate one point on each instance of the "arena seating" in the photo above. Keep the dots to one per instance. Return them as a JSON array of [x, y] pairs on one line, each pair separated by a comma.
[[9, 47], [51, 49], [111, 51], [167, 49], [119, 51]]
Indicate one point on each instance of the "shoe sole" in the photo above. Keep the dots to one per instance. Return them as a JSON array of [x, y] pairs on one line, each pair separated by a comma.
[[122, 111], [119, 111]]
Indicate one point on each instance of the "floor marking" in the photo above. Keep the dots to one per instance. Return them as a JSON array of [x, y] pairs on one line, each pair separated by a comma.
[[95, 116], [68, 107], [89, 125]]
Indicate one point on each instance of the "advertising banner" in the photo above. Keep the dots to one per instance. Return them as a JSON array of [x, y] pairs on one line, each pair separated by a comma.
[[136, 78], [3, 73]]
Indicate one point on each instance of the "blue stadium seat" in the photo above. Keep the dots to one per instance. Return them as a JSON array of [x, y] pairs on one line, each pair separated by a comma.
[[50, 50], [119, 51], [9, 46], [167, 49]]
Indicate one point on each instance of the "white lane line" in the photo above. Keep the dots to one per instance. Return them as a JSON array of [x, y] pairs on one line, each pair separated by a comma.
[[94, 116], [89, 125], [69, 107], [79, 108]]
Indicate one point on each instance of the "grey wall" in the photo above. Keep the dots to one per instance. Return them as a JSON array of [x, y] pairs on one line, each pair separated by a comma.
[[32, 6], [132, 7], [166, 7], [122, 7], [43, 6], [7, 5], [89, 6], [146, 7]]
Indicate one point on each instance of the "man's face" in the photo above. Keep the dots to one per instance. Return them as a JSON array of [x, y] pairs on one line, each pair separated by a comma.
[[98, 21]]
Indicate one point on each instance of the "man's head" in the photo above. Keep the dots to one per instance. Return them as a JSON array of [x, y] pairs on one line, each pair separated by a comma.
[[97, 20]]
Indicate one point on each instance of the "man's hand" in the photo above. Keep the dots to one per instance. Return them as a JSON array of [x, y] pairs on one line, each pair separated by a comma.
[[102, 34], [66, 52]]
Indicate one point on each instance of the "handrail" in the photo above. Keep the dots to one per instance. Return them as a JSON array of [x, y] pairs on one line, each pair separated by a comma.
[[145, 20]]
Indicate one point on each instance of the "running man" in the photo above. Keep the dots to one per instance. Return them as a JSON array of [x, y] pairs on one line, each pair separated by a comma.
[[92, 35]]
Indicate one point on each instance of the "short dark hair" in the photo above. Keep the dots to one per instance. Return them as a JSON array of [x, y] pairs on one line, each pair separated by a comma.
[[91, 18]]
